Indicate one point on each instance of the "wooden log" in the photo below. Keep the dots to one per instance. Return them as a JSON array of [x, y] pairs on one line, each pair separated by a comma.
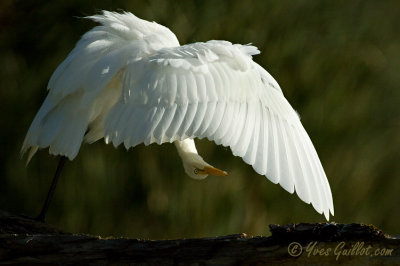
[[26, 241]]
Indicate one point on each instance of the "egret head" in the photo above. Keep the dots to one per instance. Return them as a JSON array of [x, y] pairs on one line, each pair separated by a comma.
[[197, 168]]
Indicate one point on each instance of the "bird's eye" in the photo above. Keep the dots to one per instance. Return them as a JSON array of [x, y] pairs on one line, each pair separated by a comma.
[[196, 171]]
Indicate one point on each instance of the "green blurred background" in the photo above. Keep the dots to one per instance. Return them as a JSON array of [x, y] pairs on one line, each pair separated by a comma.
[[337, 62]]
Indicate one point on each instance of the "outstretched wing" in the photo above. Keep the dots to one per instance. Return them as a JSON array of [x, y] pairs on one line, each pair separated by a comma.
[[214, 90]]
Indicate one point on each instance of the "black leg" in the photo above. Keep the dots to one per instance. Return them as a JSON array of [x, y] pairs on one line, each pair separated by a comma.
[[42, 216]]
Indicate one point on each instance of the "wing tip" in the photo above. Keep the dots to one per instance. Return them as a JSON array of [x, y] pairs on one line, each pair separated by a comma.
[[326, 211], [32, 151]]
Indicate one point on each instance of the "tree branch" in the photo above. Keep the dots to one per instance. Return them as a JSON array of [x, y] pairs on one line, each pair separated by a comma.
[[24, 240]]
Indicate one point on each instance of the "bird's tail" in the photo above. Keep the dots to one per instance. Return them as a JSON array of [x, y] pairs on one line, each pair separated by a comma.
[[60, 125]]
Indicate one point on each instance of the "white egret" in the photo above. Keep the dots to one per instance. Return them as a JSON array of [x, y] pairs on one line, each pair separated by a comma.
[[130, 81]]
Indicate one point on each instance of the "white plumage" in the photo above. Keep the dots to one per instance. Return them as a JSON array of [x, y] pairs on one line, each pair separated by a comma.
[[130, 82]]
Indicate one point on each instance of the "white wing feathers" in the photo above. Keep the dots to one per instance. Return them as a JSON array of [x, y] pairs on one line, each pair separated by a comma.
[[88, 82], [130, 82], [214, 90]]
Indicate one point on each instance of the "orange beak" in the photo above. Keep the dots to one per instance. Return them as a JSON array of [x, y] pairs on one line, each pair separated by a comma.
[[209, 170]]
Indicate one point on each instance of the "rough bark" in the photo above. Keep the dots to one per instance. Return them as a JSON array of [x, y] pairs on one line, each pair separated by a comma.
[[26, 241]]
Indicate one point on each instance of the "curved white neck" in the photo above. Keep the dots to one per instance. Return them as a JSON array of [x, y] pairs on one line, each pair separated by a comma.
[[185, 146]]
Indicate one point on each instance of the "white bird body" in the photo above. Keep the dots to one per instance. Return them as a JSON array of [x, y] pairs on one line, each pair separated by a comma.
[[129, 81]]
